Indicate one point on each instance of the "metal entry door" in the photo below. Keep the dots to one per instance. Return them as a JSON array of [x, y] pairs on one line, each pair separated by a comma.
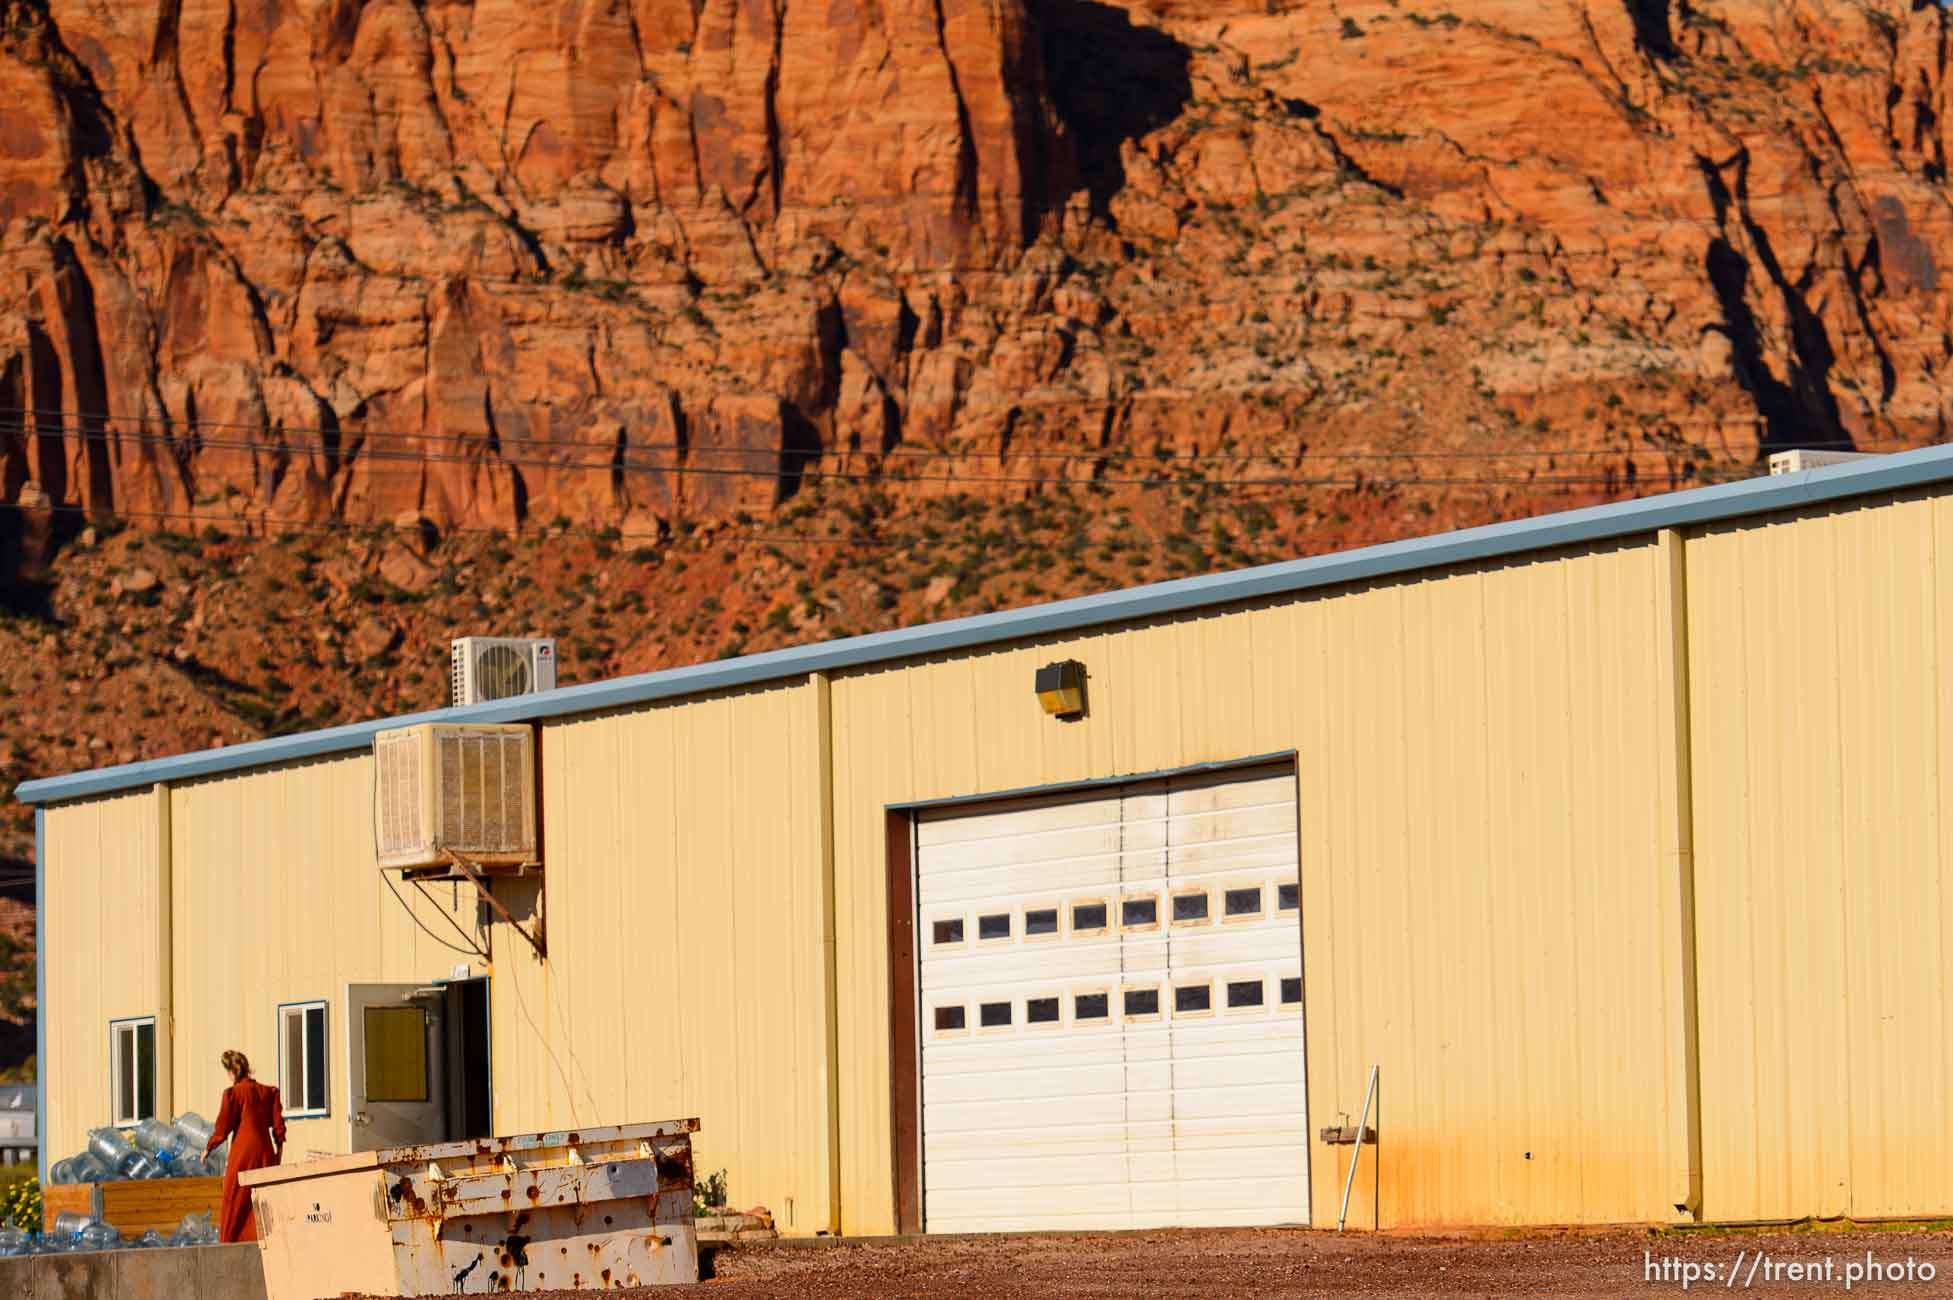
[[1111, 1013], [396, 1037]]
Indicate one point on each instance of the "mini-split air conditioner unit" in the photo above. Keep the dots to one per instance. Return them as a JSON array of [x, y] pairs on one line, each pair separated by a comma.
[[447, 791], [483, 668]]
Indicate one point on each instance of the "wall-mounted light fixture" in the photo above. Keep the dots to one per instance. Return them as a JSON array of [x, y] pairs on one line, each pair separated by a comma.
[[1061, 688]]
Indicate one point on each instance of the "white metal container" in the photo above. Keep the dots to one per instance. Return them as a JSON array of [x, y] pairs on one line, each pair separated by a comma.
[[593, 1209], [1799, 459]]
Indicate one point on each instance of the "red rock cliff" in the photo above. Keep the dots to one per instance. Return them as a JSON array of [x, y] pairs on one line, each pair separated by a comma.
[[626, 260]]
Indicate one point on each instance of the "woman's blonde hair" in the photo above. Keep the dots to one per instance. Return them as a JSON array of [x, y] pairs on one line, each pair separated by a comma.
[[237, 1064]]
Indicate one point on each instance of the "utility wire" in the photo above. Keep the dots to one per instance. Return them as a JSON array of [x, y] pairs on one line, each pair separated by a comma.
[[422, 925], [797, 473], [55, 424], [453, 924], [337, 526], [1300, 537]]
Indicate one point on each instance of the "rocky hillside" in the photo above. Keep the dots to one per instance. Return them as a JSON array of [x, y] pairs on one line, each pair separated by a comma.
[[744, 322]]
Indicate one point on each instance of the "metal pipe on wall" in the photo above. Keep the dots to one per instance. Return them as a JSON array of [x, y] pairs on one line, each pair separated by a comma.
[[824, 729], [1677, 740], [165, 957], [1356, 1154], [42, 1062]]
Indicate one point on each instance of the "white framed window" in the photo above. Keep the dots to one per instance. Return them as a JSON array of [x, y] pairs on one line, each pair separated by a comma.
[[132, 1070], [302, 1057]]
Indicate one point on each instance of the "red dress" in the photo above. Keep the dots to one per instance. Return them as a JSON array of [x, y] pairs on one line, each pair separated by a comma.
[[256, 1114]]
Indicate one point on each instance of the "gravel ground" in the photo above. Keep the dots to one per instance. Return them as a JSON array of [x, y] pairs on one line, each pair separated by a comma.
[[1295, 1262]]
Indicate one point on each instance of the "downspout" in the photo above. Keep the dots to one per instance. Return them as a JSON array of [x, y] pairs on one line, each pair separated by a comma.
[[824, 727], [43, 1106], [165, 957], [1679, 846]]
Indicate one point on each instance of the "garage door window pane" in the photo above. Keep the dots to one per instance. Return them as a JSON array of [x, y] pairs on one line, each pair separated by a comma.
[[1191, 999], [1040, 921], [1142, 1002], [1244, 993], [1190, 908], [994, 926], [1041, 1011], [949, 1019], [1088, 918], [994, 1015], [945, 932], [1090, 1006], [1244, 902], [1292, 988], [1138, 913], [1287, 897]]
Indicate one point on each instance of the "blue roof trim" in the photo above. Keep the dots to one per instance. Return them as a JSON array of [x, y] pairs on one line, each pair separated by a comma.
[[1568, 528]]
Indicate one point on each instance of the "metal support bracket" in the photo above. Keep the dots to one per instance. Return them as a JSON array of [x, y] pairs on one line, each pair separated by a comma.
[[488, 896], [1344, 1135]]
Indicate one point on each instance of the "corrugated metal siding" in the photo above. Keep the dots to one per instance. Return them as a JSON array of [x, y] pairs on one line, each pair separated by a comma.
[[1484, 887], [684, 907], [101, 878], [277, 900], [1824, 900], [1488, 833]]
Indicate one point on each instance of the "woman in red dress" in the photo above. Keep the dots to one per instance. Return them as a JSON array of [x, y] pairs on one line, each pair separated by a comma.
[[256, 1114]]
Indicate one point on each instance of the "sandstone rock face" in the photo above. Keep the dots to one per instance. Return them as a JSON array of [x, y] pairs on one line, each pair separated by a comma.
[[630, 262]]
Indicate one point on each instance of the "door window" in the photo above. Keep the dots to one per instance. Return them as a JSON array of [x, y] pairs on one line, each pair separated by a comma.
[[396, 1054]]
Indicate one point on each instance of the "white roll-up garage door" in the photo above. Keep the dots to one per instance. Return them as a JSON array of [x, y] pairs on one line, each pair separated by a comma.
[[1111, 1007]]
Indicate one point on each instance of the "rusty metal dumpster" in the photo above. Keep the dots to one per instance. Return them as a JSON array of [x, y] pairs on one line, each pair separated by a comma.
[[593, 1208]]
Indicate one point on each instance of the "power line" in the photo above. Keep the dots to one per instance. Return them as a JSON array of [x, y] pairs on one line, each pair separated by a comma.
[[1298, 536], [46, 424], [346, 525], [796, 473]]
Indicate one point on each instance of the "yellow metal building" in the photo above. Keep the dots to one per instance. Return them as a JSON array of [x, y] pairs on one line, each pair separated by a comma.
[[1621, 840]]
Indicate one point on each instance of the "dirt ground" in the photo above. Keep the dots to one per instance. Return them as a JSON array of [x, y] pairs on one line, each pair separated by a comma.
[[1294, 1262]]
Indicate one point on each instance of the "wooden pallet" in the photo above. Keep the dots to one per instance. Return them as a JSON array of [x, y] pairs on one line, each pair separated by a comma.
[[58, 1199], [134, 1206]]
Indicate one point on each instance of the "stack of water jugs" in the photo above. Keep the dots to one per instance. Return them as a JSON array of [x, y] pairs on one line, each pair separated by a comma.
[[78, 1232], [152, 1149]]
